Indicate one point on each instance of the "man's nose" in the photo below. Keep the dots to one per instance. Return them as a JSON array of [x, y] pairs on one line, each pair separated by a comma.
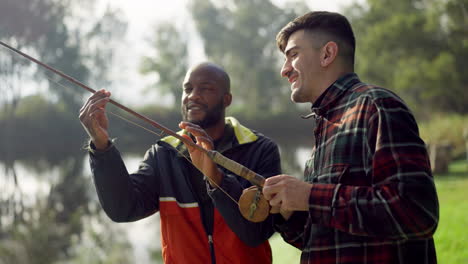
[[194, 94], [286, 69]]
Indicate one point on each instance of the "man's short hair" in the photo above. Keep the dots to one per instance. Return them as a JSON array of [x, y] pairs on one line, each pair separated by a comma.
[[332, 26]]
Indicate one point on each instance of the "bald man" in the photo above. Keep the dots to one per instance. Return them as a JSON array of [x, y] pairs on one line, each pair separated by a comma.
[[200, 223]]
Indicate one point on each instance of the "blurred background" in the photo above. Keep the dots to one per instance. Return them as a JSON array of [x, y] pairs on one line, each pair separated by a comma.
[[140, 51]]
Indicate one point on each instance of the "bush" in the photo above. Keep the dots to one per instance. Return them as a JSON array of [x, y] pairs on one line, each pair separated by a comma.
[[449, 128]]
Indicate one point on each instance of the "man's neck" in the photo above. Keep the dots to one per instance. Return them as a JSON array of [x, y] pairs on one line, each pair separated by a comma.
[[329, 78], [216, 131]]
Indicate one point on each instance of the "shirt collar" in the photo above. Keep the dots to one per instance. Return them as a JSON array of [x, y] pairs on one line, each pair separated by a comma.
[[238, 133], [226, 141], [332, 93]]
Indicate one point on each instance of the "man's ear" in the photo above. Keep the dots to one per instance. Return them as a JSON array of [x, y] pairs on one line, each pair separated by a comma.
[[227, 99], [329, 53]]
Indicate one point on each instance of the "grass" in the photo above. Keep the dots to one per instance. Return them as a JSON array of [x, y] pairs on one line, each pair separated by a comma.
[[451, 237], [283, 252]]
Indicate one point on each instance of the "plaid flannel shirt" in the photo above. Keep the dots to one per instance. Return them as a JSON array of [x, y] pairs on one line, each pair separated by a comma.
[[373, 198]]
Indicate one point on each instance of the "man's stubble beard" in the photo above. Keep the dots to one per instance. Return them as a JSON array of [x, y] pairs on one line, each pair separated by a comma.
[[212, 116]]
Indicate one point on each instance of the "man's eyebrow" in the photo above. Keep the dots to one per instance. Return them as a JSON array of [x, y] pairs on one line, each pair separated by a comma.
[[207, 82], [287, 52]]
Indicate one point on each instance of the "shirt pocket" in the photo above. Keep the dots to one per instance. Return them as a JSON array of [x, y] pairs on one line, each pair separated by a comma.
[[334, 174], [345, 174]]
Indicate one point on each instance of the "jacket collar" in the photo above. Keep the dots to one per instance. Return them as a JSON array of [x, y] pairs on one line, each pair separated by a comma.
[[332, 93], [243, 134]]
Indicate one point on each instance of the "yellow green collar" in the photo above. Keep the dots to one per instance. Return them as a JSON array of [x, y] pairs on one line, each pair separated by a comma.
[[243, 134]]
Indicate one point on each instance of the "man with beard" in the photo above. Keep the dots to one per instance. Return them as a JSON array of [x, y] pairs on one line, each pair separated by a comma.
[[199, 221]]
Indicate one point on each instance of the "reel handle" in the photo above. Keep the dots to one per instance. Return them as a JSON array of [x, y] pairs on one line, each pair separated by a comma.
[[253, 205]]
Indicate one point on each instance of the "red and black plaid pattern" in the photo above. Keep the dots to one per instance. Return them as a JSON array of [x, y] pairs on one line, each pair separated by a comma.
[[373, 198]]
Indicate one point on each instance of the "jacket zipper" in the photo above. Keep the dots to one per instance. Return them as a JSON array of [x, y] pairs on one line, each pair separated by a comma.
[[211, 245]]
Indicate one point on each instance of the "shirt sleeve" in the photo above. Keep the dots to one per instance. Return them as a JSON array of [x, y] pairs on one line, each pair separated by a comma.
[[253, 234], [293, 229], [401, 202], [124, 197]]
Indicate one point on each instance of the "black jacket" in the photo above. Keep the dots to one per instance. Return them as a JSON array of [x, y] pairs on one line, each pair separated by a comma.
[[167, 182]]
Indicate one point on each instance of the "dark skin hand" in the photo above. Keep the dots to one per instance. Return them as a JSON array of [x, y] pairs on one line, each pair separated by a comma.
[[94, 119], [199, 158]]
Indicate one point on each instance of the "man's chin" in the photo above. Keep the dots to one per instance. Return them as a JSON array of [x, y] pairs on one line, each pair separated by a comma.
[[295, 97], [195, 121]]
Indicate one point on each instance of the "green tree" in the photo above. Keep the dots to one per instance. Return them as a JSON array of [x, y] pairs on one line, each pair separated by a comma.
[[236, 36], [240, 36], [57, 34], [170, 62], [81, 45], [416, 47]]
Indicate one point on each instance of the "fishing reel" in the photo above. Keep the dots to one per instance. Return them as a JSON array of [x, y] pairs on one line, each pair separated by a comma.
[[253, 205]]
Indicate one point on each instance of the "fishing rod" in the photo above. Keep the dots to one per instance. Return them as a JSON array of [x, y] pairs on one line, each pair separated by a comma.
[[252, 204]]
